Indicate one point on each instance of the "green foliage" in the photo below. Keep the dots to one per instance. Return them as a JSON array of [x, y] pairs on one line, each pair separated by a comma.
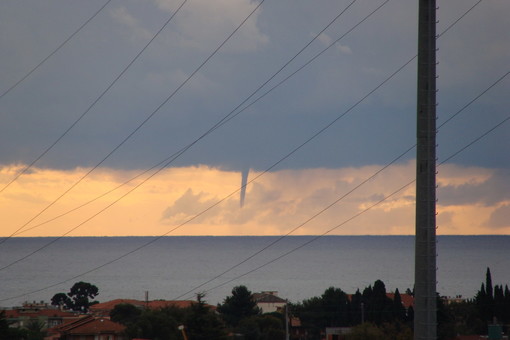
[[155, 324], [8, 333], [334, 309], [78, 297], [261, 327], [125, 313], [61, 299], [386, 331], [492, 302], [466, 319], [201, 323], [238, 306], [365, 331], [379, 307]]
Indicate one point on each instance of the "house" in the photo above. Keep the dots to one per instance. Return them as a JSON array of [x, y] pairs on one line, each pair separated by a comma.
[[88, 328], [269, 301], [407, 299], [47, 316], [104, 308]]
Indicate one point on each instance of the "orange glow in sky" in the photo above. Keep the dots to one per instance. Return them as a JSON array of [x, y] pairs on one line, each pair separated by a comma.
[[206, 201]]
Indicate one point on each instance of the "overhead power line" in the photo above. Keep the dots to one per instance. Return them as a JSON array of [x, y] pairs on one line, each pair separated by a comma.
[[385, 198], [231, 194], [149, 117], [124, 70], [13, 86], [238, 189], [233, 113], [486, 133]]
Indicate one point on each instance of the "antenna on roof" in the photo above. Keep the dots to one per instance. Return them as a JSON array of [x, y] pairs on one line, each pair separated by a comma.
[[147, 299]]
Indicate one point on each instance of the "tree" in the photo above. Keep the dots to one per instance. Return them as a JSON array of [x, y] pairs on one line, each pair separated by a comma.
[[311, 314], [488, 284], [8, 333], [202, 323], [365, 331], [399, 312], [125, 314], [335, 304], [78, 297], [387, 331], [4, 325], [80, 293], [158, 324], [62, 300], [35, 330], [238, 306]]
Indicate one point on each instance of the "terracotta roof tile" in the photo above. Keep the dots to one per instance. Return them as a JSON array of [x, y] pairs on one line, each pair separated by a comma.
[[106, 307], [97, 326]]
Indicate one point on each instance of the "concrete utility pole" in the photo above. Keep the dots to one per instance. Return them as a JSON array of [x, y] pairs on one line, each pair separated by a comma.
[[425, 319]]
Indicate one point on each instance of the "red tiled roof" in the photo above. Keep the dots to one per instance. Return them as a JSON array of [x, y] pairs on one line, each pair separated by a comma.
[[16, 313], [407, 300], [88, 325], [106, 307], [162, 304], [109, 305], [97, 326]]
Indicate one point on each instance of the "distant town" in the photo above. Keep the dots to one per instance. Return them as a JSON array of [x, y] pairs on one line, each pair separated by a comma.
[[371, 313]]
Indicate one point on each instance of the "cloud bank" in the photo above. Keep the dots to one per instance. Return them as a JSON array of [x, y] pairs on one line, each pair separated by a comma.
[[205, 201]]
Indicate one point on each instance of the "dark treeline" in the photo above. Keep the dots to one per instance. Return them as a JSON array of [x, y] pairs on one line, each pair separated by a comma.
[[371, 313], [491, 305], [493, 302], [335, 308]]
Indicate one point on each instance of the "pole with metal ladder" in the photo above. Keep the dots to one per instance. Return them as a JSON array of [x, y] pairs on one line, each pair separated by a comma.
[[425, 319]]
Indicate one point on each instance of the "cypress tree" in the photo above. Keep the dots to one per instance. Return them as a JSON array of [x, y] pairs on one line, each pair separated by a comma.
[[488, 284], [399, 312]]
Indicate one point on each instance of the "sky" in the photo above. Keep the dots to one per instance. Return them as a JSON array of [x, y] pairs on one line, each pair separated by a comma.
[[323, 152]]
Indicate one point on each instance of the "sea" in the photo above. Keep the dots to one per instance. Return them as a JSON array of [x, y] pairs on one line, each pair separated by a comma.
[[297, 267]]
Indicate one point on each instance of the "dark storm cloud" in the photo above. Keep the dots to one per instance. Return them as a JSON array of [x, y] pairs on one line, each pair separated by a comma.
[[42, 107]]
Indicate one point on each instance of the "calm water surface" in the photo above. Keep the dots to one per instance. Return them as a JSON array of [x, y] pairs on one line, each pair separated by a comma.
[[175, 267]]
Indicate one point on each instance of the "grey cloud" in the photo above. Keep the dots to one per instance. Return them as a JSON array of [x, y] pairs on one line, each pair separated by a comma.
[[37, 112], [188, 205], [489, 192], [500, 218]]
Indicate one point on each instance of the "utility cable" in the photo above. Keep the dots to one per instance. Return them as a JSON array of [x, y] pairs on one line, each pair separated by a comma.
[[225, 119], [221, 122], [320, 212], [357, 214], [143, 122], [26, 168], [54, 51], [476, 98], [228, 196], [149, 177], [224, 198], [281, 160], [288, 252], [356, 187]]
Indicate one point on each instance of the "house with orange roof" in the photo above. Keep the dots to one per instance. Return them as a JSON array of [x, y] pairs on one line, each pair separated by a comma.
[[48, 316], [105, 308], [407, 299], [88, 328]]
